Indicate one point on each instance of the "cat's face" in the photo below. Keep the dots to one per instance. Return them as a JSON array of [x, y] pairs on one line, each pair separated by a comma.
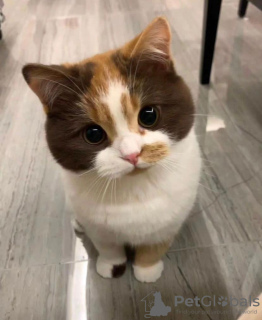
[[119, 112]]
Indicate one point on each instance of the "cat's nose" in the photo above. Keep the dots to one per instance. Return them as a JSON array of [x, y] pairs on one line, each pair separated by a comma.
[[132, 158]]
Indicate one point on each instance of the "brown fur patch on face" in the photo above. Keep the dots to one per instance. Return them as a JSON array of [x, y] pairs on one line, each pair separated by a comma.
[[98, 111], [154, 152], [101, 115], [130, 109], [173, 97], [162, 87], [45, 109], [126, 107], [60, 89]]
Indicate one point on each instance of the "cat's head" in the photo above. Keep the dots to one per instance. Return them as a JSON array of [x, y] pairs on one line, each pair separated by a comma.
[[118, 112]]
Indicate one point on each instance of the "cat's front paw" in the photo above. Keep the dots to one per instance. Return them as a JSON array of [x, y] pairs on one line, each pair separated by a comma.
[[149, 274], [107, 269]]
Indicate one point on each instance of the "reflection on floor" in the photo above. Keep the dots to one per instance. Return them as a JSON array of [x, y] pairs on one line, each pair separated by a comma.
[[45, 273]]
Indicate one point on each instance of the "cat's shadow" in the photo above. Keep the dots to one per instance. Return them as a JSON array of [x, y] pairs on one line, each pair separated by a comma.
[[87, 244]]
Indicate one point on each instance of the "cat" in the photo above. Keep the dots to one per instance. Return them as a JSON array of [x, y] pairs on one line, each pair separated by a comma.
[[121, 125]]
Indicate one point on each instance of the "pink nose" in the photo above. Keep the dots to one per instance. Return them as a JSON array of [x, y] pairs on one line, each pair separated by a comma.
[[132, 158]]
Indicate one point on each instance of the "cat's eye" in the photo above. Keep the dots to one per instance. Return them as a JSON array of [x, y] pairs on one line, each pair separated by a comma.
[[148, 116], [94, 134]]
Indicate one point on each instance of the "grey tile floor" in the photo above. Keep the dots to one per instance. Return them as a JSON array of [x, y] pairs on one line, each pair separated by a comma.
[[45, 272]]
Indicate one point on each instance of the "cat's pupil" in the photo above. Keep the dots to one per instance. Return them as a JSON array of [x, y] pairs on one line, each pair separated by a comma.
[[148, 116], [94, 134]]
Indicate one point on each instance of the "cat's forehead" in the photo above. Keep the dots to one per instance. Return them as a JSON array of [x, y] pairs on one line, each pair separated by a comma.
[[122, 106], [108, 100]]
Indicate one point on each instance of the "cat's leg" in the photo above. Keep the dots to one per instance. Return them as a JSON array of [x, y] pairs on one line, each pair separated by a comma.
[[111, 262], [148, 265]]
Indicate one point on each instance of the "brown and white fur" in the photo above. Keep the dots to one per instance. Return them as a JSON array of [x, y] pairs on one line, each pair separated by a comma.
[[116, 201]]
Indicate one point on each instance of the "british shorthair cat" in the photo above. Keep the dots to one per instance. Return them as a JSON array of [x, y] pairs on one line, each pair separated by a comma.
[[121, 125]]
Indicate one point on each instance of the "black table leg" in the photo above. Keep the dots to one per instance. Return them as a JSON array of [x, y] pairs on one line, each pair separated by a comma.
[[242, 8], [2, 19], [210, 23]]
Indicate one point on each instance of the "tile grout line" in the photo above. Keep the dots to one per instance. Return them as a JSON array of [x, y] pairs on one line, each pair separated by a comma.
[[255, 241]]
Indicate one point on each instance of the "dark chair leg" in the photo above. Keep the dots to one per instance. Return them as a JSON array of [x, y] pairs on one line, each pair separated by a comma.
[[242, 8], [210, 23], [2, 19]]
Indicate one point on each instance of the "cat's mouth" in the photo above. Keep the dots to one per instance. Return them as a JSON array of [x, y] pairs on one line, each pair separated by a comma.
[[137, 171]]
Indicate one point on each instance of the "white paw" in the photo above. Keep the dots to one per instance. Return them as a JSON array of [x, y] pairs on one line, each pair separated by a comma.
[[107, 269], [104, 268], [149, 274], [77, 226]]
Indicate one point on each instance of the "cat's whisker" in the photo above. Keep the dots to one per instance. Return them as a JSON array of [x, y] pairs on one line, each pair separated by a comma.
[[111, 193], [144, 92], [134, 78], [165, 166], [130, 76], [102, 186], [171, 161], [94, 184], [182, 153], [203, 115], [115, 191], [109, 180], [86, 172], [176, 166]]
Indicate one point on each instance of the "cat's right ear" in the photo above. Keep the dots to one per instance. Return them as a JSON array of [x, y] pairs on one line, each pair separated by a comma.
[[153, 44], [52, 84]]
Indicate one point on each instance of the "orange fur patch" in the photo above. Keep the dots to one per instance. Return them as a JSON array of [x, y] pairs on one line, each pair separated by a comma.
[[101, 115], [99, 112], [46, 109], [130, 109], [154, 152], [146, 256]]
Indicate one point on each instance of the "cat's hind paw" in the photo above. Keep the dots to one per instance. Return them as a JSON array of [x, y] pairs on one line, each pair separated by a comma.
[[149, 274], [106, 269]]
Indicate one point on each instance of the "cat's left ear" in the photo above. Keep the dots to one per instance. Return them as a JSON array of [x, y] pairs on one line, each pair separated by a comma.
[[52, 84], [153, 43]]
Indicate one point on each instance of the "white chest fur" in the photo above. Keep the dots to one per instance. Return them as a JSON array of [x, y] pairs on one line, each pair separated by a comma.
[[147, 207]]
